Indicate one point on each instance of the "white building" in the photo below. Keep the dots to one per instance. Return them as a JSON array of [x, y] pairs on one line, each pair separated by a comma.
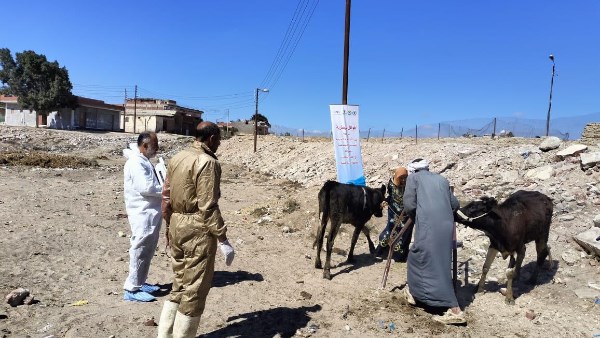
[[89, 114], [159, 115]]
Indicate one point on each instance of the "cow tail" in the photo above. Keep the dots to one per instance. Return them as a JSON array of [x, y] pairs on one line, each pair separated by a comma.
[[324, 197]]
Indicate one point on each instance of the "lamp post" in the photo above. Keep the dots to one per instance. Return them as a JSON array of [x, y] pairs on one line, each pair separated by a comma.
[[264, 90], [550, 100]]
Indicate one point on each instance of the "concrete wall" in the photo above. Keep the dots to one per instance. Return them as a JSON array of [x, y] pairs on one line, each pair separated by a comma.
[[85, 118], [62, 119], [591, 134], [143, 123], [17, 117]]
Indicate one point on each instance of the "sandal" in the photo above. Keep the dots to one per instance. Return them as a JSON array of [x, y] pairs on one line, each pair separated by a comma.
[[409, 297], [451, 318]]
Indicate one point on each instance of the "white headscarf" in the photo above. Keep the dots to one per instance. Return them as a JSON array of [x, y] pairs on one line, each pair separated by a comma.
[[418, 164]]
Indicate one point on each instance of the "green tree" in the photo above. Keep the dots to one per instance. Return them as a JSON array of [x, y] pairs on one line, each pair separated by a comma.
[[261, 118], [40, 85]]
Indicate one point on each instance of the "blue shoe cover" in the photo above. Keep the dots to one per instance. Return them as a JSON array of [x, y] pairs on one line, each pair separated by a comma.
[[149, 288], [138, 296]]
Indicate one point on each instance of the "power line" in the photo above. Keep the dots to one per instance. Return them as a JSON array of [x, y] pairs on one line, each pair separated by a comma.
[[283, 44], [294, 33]]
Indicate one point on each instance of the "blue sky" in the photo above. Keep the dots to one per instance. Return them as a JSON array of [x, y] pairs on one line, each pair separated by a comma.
[[411, 62]]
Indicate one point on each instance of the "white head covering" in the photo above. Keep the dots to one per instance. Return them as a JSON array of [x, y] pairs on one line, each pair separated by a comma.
[[418, 164]]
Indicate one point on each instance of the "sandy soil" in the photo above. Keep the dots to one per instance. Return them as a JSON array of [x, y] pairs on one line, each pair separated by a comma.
[[60, 240]]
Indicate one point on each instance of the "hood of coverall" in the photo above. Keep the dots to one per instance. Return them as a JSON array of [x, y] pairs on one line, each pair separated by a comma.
[[131, 151]]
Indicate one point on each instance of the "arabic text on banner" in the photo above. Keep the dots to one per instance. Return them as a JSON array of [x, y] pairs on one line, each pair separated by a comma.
[[346, 141]]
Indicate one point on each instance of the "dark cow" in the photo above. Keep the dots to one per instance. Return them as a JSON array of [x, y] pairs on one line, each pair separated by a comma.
[[523, 217], [345, 203]]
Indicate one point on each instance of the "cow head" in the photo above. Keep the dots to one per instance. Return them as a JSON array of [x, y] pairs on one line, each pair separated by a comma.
[[378, 197], [475, 209]]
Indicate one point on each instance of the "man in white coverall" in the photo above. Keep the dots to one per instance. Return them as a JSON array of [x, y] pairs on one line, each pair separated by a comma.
[[142, 202]]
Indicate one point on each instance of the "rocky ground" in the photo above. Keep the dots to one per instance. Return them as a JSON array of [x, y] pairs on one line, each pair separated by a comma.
[[63, 218]]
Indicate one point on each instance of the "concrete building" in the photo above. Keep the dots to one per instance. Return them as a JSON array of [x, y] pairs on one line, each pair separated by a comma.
[[159, 115], [89, 114], [247, 127]]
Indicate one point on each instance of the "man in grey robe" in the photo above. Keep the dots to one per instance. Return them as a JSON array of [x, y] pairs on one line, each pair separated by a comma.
[[429, 201]]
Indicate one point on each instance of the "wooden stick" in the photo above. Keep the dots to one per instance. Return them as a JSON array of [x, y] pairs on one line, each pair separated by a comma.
[[391, 241], [454, 259]]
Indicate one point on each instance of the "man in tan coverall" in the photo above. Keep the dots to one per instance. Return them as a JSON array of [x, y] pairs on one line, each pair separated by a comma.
[[194, 227]]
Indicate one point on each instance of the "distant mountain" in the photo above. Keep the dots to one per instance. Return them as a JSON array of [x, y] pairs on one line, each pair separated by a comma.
[[563, 127]]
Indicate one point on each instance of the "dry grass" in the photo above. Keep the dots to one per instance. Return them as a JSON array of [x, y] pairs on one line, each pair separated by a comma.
[[45, 160]]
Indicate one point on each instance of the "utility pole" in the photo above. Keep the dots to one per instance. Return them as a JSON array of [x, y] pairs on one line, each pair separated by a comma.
[[494, 132], [227, 125], [256, 119], [134, 108], [439, 127], [550, 100], [125, 111], [416, 134], [346, 54]]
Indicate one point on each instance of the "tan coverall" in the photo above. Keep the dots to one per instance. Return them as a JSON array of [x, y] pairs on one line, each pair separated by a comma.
[[190, 206]]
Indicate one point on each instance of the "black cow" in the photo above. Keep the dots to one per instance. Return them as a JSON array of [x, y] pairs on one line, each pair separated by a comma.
[[345, 203], [523, 217]]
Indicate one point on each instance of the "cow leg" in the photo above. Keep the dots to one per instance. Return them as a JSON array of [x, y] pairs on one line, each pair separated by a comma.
[[366, 231], [543, 250], [510, 274], [335, 226], [511, 261], [520, 256], [489, 259], [357, 230], [319, 240]]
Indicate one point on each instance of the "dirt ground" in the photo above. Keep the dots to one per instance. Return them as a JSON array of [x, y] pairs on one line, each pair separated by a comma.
[[60, 239]]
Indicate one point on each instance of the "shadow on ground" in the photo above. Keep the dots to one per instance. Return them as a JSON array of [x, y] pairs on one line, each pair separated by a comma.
[[521, 286], [360, 261], [281, 321], [224, 278]]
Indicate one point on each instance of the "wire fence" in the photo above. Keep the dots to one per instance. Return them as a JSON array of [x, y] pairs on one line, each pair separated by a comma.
[[497, 127]]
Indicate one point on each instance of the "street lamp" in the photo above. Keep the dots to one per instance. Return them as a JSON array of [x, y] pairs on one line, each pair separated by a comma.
[[264, 90], [550, 100]]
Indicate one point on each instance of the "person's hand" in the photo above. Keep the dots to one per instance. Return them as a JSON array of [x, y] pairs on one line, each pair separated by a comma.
[[227, 251]]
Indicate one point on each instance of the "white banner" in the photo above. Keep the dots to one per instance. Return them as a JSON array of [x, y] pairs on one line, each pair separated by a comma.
[[346, 141]]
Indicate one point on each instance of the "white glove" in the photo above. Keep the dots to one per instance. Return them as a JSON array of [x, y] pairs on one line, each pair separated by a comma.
[[227, 251]]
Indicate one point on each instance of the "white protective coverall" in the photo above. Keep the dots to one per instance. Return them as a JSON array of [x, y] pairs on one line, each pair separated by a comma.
[[142, 202]]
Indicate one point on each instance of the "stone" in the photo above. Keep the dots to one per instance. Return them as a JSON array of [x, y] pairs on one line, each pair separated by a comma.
[[570, 257], [597, 221], [509, 176], [533, 160], [286, 229], [572, 150], [150, 322], [17, 297], [567, 218], [589, 160], [588, 240], [541, 173], [550, 143], [584, 293], [466, 153], [530, 314], [305, 295]]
